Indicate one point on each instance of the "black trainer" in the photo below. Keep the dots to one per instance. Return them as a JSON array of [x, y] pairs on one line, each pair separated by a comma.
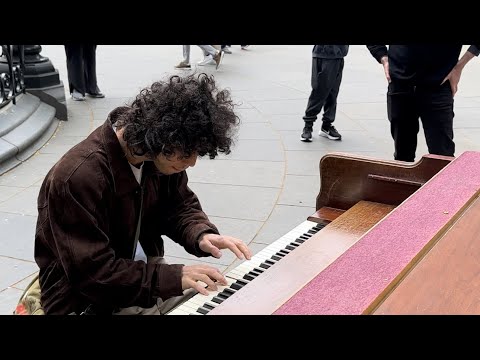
[[330, 133], [307, 134]]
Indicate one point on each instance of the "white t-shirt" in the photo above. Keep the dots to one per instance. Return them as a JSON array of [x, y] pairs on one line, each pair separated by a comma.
[[137, 172]]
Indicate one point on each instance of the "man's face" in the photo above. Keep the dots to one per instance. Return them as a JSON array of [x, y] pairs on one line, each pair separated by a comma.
[[174, 164]]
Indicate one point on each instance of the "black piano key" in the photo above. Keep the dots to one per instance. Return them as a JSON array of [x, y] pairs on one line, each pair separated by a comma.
[[208, 306], [222, 296], [275, 257], [258, 270], [202, 311], [229, 291], [283, 252], [253, 273], [300, 241], [248, 277], [236, 286], [217, 300], [294, 244], [269, 262], [290, 247], [242, 282], [311, 231], [303, 237], [264, 265]]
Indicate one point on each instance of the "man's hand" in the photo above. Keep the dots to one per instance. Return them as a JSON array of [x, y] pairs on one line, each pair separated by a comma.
[[454, 78], [384, 61], [213, 243], [454, 75], [191, 275]]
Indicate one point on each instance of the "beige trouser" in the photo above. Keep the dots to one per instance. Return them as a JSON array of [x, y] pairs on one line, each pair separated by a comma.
[[162, 307]]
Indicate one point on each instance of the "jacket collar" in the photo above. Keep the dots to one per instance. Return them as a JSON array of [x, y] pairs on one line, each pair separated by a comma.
[[124, 180]]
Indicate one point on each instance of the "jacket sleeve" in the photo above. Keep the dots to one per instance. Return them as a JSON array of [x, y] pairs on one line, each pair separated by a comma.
[[187, 220], [79, 222], [474, 49], [378, 51]]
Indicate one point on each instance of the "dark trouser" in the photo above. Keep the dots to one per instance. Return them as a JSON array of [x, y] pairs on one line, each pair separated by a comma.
[[326, 79], [407, 103], [81, 68]]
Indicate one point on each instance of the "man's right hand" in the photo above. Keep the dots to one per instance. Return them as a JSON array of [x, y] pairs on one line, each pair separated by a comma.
[[384, 61], [194, 275]]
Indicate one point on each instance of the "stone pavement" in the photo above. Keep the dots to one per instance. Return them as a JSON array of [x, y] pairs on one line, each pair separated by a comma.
[[268, 184]]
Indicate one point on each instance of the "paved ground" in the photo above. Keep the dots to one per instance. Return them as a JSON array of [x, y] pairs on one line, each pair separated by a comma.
[[268, 184]]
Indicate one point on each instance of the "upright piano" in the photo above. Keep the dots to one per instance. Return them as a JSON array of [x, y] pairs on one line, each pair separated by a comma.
[[387, 237]]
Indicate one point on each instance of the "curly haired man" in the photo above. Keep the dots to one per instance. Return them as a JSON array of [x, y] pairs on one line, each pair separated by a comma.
[[125, 183]]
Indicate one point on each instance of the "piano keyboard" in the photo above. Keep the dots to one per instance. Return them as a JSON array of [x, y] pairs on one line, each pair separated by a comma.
[[248, 270]]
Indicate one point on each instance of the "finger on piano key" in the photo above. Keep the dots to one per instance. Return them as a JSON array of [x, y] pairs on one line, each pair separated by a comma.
[[210, 301]]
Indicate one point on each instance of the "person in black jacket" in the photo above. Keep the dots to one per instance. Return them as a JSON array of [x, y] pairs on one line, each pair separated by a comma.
[[422, 81], [327, 69]]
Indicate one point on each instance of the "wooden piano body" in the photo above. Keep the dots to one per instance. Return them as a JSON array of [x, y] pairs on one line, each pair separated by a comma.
[[399, 238]]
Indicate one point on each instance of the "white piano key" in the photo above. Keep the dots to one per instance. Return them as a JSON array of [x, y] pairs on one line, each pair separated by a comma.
[[236, 275], [187, 306], [177, 311], [200, 302]]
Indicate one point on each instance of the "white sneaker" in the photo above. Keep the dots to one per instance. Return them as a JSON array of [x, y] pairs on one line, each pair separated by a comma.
[[183, 65], [207, 60], [77, 96]]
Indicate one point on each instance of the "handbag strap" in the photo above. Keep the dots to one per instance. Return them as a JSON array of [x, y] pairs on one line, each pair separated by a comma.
[[139, 221]]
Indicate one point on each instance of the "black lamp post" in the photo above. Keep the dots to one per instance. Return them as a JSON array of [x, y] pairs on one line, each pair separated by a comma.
[[41, 78]]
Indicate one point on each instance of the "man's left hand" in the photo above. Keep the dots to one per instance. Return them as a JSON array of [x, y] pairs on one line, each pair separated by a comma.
[[213, 243], [454, 78]]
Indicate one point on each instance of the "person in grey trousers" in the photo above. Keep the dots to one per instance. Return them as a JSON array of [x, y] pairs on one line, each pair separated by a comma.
[[210, 55], [327, 69]]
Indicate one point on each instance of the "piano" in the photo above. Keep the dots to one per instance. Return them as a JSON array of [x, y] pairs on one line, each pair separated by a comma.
[[387, 237]]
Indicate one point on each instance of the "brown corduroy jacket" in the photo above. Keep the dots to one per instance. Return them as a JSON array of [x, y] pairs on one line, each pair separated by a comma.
[[88, 207]]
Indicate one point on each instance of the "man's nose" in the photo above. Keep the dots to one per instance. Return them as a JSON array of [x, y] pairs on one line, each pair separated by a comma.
[[191, 161]]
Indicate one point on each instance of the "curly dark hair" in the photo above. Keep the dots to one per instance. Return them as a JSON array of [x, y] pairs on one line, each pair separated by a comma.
[[187, 115]]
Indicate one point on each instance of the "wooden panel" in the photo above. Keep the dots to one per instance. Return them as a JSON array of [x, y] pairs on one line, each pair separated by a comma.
[[276, 285], [347, 179], [447, 279], [327, 214]]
